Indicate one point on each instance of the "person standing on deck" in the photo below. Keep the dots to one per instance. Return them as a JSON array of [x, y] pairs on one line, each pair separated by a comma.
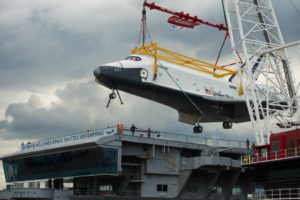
[[132, 129], [149, 132]]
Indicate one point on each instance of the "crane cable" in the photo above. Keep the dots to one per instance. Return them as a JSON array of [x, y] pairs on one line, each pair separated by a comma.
[[180, 88], [226, 35], [144, 32]]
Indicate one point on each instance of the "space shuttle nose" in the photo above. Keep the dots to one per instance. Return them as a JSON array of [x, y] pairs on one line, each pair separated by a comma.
[[97, 72]]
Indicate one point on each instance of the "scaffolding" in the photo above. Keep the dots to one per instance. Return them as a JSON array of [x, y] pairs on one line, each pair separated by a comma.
[[266, 74]]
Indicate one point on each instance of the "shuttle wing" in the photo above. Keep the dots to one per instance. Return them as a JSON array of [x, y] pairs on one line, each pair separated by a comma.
[[218, 106]]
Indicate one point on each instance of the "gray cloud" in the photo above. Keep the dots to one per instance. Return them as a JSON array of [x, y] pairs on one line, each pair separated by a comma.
[[288, 19], [80, 106], [46, 43]]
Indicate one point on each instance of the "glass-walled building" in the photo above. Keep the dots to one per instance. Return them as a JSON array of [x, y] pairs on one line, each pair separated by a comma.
[[84, 162], [73, 156]]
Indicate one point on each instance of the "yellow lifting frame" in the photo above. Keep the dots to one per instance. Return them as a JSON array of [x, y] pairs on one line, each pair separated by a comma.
[[181, 60]]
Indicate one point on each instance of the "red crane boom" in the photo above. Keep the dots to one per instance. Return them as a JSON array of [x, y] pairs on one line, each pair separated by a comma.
[[186, 16]]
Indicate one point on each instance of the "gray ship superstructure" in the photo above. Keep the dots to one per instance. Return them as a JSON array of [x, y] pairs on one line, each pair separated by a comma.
[[108, 164]]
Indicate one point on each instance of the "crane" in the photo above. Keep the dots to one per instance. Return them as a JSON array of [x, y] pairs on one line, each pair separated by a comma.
[[256, 39]]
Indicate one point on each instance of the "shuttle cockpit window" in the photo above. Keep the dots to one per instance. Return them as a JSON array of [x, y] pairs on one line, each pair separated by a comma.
[[134, 58]]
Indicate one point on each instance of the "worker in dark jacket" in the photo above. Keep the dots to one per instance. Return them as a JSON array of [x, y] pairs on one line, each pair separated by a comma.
[[132, 129], [149, 132]]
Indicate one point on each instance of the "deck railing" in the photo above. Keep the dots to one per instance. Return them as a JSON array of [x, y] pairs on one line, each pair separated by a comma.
[[94, 135], [278, 194], [272, 156], [188, 139]]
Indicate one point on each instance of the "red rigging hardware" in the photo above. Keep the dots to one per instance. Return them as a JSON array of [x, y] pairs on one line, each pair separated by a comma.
[[184, 19], [182, 22]]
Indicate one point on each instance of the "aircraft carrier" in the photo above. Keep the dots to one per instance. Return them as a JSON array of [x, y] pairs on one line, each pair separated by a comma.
[[108, 164]]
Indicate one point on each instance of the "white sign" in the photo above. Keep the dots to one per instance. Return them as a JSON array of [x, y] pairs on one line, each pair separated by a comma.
[[68, 140]]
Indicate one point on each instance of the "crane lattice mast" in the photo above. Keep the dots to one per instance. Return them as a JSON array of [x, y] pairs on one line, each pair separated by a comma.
[[265, 71]]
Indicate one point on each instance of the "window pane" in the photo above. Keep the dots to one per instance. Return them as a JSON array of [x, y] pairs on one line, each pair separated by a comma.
[[290, 144], [165, 188], [275, 145], [64, 164], [159, 188]]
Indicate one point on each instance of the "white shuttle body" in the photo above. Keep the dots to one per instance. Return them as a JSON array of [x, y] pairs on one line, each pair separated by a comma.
[[196, 96]]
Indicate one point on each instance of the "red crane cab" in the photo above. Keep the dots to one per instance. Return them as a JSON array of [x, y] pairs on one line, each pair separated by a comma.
[[282, 146]]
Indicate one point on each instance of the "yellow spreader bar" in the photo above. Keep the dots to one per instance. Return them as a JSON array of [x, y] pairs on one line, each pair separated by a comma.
[[159, 53]]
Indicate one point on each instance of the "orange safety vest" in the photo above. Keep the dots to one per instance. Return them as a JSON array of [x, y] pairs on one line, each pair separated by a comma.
[[121, 128]]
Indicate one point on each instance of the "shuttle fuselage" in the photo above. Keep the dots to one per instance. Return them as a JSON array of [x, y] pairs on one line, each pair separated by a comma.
[[196, 96]]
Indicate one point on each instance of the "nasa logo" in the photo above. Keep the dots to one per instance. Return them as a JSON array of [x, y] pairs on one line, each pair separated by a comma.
[[144, 74]]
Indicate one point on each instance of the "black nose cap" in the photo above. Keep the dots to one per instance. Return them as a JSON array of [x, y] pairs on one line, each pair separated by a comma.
[[97, 72]]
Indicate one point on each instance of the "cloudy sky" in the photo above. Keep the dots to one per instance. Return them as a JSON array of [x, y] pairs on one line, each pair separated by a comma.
[[49, 48]]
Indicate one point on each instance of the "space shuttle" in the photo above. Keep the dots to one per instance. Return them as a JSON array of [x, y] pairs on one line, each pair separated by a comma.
[[197, 95]]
